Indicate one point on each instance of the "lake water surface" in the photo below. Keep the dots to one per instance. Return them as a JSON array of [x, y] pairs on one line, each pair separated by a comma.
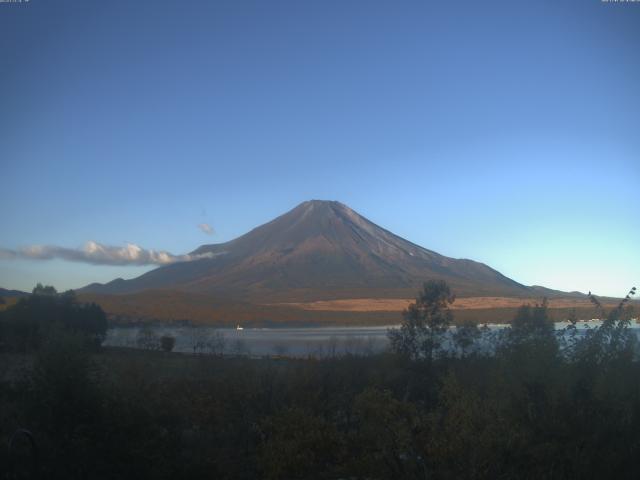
[[297, 342]]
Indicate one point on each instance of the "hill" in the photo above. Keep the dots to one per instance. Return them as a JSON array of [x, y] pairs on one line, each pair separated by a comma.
[[12, 293], [319, 263], [318, 250]]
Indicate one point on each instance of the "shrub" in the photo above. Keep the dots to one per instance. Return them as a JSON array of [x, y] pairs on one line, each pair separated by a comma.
[[167, 343]]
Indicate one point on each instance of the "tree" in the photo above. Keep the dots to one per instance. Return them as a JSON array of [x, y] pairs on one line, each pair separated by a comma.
[[424, 322], [26, 324], [532, 320], [532, 330], [465, 336], [167, 343], [613, 339], [530, 346], [48, 290]]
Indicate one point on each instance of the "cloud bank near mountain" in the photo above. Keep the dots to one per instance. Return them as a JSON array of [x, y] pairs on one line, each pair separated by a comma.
[[98, 254]]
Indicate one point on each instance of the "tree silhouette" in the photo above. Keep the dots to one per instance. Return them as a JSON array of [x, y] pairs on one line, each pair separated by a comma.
[[28, 322], [424, 322], [167, 343]]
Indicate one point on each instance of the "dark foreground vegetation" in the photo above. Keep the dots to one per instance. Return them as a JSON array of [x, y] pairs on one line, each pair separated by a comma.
[[535, 405]]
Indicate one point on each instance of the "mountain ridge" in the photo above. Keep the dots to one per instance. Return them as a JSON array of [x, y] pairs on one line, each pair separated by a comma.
[[322, 246], [5, 292]]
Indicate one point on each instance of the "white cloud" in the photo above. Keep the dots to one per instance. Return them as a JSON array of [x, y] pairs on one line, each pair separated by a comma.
[[206, 228], [98, 254]]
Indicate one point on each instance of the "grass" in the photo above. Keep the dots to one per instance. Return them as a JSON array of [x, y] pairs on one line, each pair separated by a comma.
[[170, 307]]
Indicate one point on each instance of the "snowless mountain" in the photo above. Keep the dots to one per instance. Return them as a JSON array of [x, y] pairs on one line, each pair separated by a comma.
[[318, 250]]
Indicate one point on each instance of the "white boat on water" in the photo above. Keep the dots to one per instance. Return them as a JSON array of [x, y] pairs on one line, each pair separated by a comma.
[[239, 327]]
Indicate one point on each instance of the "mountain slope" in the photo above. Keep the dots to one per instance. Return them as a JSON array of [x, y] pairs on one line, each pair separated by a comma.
[[12, 293], [320, 249]]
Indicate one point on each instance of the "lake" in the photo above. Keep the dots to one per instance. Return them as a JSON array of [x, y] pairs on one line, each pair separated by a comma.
[[294, 342]]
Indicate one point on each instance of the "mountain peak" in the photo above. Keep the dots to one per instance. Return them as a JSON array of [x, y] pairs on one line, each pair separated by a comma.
[[321, 207], [316, 203], [320, 246]]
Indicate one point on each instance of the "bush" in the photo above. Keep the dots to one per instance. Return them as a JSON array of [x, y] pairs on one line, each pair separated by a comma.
[[167, 343]]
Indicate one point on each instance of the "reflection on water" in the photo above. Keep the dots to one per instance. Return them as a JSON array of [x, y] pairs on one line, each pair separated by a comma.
[[295, 342]]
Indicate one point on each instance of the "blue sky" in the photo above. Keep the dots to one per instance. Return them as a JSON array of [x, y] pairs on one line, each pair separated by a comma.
[[502, 131]]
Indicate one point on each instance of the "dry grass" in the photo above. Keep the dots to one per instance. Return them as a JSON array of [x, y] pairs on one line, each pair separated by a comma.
[[399, 304], [171, 306]]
